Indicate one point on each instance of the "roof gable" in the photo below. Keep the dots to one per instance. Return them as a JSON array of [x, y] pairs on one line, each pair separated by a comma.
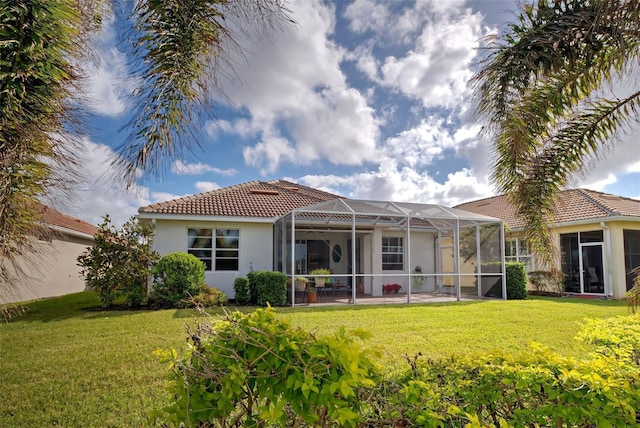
[[571, 205], [262, 199]]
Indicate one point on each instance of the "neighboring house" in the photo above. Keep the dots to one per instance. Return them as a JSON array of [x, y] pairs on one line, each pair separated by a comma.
[[55, 272], [597, 234], [278, 225]]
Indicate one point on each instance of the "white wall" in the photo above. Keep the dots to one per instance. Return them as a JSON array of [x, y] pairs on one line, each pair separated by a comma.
[[52, 272], [256, 247]]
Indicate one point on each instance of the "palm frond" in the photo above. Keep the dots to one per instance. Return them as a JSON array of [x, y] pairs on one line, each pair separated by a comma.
[[182, 47]]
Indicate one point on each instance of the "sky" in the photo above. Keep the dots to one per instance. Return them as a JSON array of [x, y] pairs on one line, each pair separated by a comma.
[[365, 99]]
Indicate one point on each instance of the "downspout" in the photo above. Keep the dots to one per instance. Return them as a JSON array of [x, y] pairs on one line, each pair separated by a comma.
[[607, 239]]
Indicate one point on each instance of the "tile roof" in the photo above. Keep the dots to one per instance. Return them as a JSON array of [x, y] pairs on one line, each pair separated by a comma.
[[571, 205], [54, 217], [268, 199]]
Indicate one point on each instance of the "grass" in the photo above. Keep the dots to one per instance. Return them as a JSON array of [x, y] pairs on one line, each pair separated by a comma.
[[63, 365]]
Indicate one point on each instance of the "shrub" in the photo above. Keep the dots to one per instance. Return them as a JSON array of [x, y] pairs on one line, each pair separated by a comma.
[[516, 281], [119, 263], [256, 370], [546, 282], [242, 291], [209, 296], [271, 288], [618, 337], [176, 277], [253, 289]]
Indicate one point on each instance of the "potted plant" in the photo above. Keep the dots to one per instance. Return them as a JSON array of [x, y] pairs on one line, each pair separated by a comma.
[[312, 297], [301, 283], [320, 276]]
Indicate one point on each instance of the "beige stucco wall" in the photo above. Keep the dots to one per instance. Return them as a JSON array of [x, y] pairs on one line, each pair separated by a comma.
[[52, 272], [613, 249]]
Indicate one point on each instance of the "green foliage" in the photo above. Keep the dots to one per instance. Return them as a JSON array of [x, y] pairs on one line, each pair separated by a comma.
[[257, 370], [253, 287], [618, 337], [541, 98], [633, 295], [516, 278], [516, 281], [37, 39], [246, 368], [320, 272], [208, 297], [539, 388], [178, 51], [176, 277], [242, 291], [120, 261], [271, 288], [547, 282]]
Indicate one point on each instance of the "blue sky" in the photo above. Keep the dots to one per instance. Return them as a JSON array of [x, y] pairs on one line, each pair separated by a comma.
[[366, 99]]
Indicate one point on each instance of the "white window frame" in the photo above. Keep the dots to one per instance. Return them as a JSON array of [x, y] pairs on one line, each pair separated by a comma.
[[395, 249], [519, 256], [211, 261]]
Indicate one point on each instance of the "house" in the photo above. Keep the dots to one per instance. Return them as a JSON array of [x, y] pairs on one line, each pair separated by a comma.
[[597, 235], [284, 226], [56, 272]]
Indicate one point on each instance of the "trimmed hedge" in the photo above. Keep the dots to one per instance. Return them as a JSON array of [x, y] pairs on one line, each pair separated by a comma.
[[516, 279], [242, 291], [261, 288], [271, 288]]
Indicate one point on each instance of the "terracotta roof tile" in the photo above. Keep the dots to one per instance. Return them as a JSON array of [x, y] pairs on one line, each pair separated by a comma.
[[571, 205], [252, 199], [54, 217]]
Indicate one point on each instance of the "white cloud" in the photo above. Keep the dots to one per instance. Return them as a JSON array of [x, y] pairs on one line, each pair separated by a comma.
[[420, 146], [299, 103], [98, 194], [182, 168], [214, 128], [205, 186], [437, 69], [107, 83]]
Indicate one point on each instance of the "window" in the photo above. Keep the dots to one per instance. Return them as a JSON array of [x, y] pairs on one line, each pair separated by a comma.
[[392, 254], [517, 250], [221, 253], [631, 254]]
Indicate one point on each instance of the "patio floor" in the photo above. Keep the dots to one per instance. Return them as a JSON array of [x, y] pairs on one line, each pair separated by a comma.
[[400, 298]]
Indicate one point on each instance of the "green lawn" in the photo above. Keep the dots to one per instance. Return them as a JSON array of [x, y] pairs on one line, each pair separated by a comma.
[[66, 366]]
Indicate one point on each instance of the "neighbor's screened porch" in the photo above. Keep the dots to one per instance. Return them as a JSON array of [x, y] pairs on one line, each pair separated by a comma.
[[399, 251]]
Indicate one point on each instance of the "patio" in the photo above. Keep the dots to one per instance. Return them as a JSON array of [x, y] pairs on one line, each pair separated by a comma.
[[376, 249]]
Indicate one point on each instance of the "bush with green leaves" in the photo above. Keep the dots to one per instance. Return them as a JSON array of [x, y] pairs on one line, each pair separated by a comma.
[[242, 291], [257, 370], [208, 297], [271, 288], [176, 278], [253, 287], [617, 336], [516, 281], [119, 263], [540, 388]]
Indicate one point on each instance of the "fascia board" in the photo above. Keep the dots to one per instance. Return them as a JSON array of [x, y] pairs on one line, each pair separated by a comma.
[[186, 217]]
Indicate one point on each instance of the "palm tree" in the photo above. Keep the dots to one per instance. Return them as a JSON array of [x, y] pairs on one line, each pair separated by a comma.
[[179, 45], [541, 92]]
